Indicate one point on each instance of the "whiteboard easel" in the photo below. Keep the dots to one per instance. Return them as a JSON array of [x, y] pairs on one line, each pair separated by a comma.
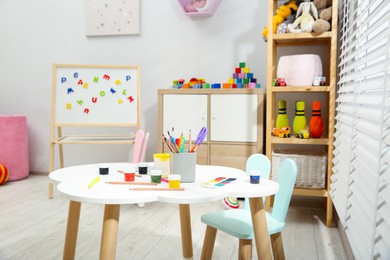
[[93, 96]]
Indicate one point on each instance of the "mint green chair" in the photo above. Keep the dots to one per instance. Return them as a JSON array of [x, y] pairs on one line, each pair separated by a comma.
[[238, 222]]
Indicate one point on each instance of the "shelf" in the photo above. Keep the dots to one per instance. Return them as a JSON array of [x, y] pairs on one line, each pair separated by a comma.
[[294, 140], [302, 89], [311, 192], [302, 38]]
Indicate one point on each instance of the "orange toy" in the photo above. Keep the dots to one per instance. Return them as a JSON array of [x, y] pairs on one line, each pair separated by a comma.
[[316, 126], [4, 174]]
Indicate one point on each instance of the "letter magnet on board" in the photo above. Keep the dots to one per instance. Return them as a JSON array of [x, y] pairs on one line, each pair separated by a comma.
[[94, 99], [70, 90], [120, 101], [76, 75], [80, 102], [124, 92], [112, 91], [85, 85], [68, 106], [80, 82], [130, 98], [102, 93], [86, 110], [95, 79], [106, 77], [118, 82], [128, 77], [63, 80]]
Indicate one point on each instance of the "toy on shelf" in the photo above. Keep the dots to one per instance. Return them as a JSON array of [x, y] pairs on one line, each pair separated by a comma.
[[304, 20], [282, 119], [324, 8], [193, 83], [303, 134], [242, 78], [279, 82], [316, 125], [319, 81], [282, 14], [299, 119], [281, 132]]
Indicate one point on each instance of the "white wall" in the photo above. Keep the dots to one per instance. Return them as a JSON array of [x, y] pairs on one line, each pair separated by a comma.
[[35, 34]]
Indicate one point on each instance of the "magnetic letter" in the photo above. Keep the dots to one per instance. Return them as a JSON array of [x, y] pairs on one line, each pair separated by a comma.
[[80, 82], [63, 79], [95, 79], [85, 85], [112, 91], [117, 82], [106, 77], [75, 75], [124, 92], [94, 99], [120, 101], [130, 98], [70, 90], [80, 102], [86, 110], [68, 106], [128, 78], [102, 93]]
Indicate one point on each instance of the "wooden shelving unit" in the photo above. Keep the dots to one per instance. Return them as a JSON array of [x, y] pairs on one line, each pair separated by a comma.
[[326, 40]]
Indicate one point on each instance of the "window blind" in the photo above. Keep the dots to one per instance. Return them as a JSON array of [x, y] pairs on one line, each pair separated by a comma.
[[360, 186]]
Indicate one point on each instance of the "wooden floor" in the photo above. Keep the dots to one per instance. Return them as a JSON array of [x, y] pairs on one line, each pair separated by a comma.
[[33, 227]]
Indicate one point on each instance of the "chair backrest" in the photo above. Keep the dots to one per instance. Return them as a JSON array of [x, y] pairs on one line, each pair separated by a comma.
[[287, 176], [138, 144], [258, 162]]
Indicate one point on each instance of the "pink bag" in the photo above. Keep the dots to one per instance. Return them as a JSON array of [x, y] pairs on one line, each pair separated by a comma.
[[14, 146]]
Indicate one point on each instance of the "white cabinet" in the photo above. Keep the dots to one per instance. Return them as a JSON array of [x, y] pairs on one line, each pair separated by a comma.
[[234, 118]]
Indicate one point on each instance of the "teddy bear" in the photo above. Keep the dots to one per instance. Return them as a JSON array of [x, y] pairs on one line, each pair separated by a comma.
[[282, 28], [324, 8], [282, 13]]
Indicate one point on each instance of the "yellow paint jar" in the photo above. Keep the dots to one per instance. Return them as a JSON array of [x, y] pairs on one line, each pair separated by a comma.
[[174, 181]]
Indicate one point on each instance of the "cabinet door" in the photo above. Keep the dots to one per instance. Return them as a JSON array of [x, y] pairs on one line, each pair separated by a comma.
[[234, 117], [184, 113]]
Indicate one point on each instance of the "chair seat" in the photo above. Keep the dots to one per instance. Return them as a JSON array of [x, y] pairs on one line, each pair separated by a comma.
[[238, 223]]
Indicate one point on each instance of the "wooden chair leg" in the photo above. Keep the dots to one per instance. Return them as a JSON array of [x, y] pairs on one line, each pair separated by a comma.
[[208, 243], [245, 249], [277, 246]]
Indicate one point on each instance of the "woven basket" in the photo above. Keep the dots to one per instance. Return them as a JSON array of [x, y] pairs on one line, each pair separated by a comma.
[[311, 167]]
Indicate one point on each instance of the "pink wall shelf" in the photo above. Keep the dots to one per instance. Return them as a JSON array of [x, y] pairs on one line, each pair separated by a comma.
[[199, 8]]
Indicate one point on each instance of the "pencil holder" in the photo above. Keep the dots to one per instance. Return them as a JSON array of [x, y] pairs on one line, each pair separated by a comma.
[[184, 164]]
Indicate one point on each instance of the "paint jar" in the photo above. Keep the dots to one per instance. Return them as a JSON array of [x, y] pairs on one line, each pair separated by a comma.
[[129, 174], [174, 181], [155, 176], [142, 168], [254, 176], [162, 162], [103, 169]]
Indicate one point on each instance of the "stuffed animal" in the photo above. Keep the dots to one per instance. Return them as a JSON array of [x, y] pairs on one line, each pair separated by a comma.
[[325, 15], [282, 13], [304, 20]]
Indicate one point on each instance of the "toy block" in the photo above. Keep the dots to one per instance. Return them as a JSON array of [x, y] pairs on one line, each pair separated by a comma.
[[242, 64], [251, 85], [246, 70], [226, 85], [238, 70], [249, 75], [231, 80]]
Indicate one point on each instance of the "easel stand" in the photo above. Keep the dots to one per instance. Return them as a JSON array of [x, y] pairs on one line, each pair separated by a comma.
[[93, 96]]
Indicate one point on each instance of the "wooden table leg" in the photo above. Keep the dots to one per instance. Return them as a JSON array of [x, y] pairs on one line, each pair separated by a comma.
[[72, 228], [262, 240], [186, 233], [109, 232]]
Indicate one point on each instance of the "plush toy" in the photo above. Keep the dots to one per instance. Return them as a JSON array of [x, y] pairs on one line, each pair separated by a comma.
[[282, 13], [323, 23], [198, 6], [304, 20], [4, 174]]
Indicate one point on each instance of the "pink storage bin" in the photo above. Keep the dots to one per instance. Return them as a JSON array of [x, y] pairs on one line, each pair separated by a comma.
[[14, 146]]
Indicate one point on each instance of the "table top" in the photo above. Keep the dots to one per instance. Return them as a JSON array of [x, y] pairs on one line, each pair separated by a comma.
[[73, 184]]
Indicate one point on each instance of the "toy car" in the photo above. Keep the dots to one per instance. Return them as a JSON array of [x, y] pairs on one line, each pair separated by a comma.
[[282, 133], [303, 134], [319, 81], [279, 82]]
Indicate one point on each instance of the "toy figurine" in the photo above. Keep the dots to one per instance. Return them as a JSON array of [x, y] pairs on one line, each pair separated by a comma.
[[300, 119], [316, 125], [282, 119]]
